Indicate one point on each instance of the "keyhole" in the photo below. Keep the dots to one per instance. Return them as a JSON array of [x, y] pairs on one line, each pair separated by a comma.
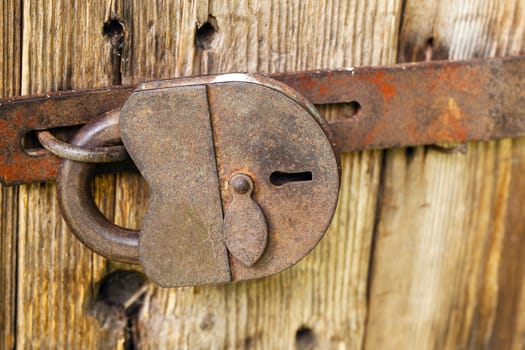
[[280, 178]]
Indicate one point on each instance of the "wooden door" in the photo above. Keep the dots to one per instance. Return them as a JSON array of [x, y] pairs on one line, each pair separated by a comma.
[[424, 251]]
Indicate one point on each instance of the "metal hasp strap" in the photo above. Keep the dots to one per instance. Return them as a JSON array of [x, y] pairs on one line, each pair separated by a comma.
[[401, 105]]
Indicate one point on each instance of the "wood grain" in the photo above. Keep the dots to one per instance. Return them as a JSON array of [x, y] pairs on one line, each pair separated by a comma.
[[63, 48], [508, 318], [446, 272], [10, 41]]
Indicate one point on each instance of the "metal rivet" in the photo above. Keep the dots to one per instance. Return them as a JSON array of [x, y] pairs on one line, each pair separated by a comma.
[[241, 183]]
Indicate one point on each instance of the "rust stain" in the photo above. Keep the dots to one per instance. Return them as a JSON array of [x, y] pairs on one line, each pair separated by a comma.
[[323, 90], [448, 126], [382, 82], [307, 83], [239, 170], [225, 179]]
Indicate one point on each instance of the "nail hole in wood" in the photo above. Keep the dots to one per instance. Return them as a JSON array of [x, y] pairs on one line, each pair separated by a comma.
[[305, 339], [208, 322], [248, 343], [434, 49], [113, 30], [117, 304], [124, 289], [429, 49], [410, 153], [208, 35]]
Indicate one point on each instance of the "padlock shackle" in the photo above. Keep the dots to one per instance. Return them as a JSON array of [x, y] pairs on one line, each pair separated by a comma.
[[64, 150], [76, 200]]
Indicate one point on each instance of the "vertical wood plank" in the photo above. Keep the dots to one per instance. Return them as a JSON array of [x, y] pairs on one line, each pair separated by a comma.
[[63, 48], [321, 302], [8, 276], [161, 38], [446, 269], [10, 42], [508, 320], [10, 20]]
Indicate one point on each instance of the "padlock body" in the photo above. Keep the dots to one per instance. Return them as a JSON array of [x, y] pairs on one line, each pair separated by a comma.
[[188, 138]]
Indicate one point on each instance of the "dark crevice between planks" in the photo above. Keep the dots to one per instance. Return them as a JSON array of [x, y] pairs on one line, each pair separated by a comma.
[[14, 261], [402, 16], [373, 243], [114, 31], [8, 229], [18, 91], [14, 198]]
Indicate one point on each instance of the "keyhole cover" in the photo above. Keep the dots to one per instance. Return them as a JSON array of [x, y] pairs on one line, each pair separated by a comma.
[[190, 137]]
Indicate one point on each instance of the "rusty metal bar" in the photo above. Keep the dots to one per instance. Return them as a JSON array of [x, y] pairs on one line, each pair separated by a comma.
[[21, 115], [401, 105], [422, 103]]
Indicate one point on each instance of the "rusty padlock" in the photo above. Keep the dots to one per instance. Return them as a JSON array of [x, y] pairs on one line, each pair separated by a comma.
[[243, 176]]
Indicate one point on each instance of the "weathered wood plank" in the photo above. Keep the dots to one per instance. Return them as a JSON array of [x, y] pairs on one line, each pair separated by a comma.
[[10, 41], [63, 48], [322, 301], [161, 38], [446, 269], [508, 321], [8, 277]]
